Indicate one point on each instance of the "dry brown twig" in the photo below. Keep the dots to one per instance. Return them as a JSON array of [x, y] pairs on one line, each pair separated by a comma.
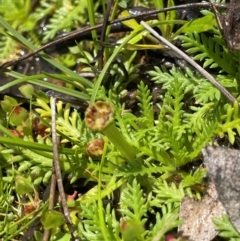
[[58, 173]]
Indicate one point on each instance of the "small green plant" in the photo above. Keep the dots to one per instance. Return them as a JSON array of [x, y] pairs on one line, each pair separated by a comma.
[[136, 165]]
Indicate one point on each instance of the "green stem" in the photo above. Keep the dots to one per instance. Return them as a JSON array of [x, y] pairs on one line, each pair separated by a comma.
[[118, 140], [100, 117]]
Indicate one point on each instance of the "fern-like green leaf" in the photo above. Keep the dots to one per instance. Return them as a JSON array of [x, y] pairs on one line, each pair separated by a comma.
[[206, 92], [206, 49], [231, 122], [39, 13], [144, 99], [70, 126], [133, 205], [8, 48], [201, 89], [67, 13], [226, 229], [89, 227], [166, 193], [164, 223], [193, 178]]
